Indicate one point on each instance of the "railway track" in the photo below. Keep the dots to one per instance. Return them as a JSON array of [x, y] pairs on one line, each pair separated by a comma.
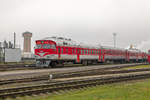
[[72, 83], [32, 66], [6, 67], [72, 74], [89, 72]]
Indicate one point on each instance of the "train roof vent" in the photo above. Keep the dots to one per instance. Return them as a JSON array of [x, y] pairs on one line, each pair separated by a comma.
[[53, 37], [60, 38]]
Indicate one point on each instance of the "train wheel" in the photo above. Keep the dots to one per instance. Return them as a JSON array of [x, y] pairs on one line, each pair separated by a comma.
[[53, 64], [85, 63]]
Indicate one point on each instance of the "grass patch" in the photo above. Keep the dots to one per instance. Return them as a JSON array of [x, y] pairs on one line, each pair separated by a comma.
[[119, 91], [140, 66]]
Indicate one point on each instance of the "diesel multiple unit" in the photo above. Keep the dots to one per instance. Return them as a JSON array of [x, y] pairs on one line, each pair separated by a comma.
[[58, 50]]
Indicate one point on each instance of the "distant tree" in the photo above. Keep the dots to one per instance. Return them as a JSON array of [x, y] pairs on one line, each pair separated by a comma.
[[10, 45], [5, 44], [0, 44]]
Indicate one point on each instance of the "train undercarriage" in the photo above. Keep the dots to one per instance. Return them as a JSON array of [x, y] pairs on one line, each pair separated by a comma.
[[53, 63]]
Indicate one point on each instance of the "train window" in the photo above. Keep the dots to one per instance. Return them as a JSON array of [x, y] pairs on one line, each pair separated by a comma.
[[66, 50], [46, 46], [107, 52], [38, 46], [61, 50], [81, 51], [87, 51], [120, 52], [72, 50], [116, 52], [53, 47], [110, 52], [102, 51], [78, 51]]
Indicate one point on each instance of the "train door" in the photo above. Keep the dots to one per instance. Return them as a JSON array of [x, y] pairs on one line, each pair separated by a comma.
[[148, 58], [136, 57], [78, 55], [99, 52], [127, 56], [103, 55], [59, 52]]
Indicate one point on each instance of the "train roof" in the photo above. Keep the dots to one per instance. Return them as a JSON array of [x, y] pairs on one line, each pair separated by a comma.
[[113, 48], [61, 41]]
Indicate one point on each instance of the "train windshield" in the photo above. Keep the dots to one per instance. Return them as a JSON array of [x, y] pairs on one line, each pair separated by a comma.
[[45, 46], [38, 46]]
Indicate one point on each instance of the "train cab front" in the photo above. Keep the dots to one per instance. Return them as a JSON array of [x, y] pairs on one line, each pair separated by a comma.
[[45, 52]]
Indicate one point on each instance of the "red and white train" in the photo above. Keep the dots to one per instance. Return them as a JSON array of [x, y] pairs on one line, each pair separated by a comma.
[[58, 50]]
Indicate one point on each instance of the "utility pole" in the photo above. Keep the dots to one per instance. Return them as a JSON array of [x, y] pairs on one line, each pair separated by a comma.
[[14, 40], [114, 36]]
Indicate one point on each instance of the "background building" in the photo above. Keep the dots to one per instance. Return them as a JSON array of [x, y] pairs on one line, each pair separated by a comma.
[[27, 45], [12, 55], [8, 53]]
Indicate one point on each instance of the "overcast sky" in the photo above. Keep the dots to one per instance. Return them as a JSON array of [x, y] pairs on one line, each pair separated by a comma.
[[91, 21]]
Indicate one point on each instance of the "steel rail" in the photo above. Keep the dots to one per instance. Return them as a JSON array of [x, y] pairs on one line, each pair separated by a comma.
[[70, 84], [71, 74]]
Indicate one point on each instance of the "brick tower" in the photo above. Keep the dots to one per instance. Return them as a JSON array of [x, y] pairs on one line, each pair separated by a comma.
[[27, 41]]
